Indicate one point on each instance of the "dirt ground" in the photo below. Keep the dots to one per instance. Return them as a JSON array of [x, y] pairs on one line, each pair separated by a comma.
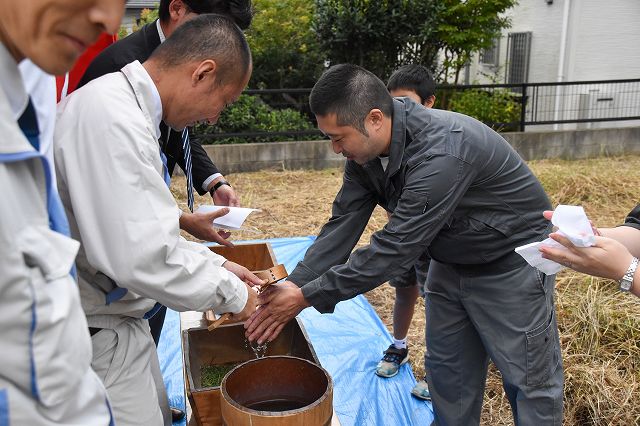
[[297, 203]]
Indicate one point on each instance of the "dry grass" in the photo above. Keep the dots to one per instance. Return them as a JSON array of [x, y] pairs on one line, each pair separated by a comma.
[[599, 327]]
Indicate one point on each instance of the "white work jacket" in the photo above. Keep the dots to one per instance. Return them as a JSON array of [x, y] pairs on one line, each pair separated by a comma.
[[110, 179], [45, 348]]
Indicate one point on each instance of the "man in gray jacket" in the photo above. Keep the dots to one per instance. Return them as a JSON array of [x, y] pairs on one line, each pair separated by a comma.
[[457, 190]]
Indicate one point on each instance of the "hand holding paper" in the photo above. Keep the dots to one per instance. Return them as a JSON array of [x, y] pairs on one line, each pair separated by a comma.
[[572, 222], [232, 220]]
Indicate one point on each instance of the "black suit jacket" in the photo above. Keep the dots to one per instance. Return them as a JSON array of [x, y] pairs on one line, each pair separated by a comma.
[[139, 46]]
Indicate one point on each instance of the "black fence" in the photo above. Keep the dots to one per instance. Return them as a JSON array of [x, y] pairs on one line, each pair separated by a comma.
[[504, 107]]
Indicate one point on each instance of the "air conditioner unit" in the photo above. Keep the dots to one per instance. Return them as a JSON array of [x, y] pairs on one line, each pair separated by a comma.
[[595, 105]]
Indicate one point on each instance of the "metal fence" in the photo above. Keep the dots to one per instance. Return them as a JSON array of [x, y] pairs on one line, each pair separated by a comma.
[[505, 107]]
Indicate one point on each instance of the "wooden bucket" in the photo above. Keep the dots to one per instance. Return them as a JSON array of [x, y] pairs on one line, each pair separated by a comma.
[[277, 391]]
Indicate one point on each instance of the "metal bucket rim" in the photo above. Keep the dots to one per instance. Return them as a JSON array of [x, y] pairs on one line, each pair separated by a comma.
[[232, 402]]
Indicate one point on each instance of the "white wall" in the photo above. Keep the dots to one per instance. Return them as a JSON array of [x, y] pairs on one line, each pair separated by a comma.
[[604, 42]]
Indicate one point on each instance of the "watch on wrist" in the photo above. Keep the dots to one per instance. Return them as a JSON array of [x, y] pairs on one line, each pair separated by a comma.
[[627, 279], [218, 185]]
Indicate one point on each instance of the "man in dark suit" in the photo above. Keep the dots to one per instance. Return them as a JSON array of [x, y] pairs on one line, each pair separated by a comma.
[[138, 46]]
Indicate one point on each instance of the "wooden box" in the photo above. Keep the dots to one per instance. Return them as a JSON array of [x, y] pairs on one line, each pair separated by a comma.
[[226, 344]]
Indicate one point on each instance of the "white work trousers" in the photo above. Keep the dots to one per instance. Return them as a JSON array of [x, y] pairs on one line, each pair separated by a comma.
[[125, 358]]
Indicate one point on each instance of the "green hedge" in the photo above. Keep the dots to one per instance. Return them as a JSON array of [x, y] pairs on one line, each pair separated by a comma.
[[498, 108], [251, 114]]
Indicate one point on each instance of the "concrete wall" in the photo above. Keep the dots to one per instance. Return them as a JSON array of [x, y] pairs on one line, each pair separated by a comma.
[[570, 144], [274, 155], [576, 144]]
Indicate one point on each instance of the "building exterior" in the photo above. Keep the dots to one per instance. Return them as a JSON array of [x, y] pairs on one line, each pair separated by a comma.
[[570, 40]]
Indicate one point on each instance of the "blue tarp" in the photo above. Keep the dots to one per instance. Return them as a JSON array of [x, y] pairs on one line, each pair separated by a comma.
[[349, 344]]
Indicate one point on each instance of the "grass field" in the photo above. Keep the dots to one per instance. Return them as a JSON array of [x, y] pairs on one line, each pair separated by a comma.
[[599, 327]]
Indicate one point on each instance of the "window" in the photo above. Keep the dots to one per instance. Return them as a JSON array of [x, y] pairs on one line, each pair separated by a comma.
[[490, 55], [518, 51]]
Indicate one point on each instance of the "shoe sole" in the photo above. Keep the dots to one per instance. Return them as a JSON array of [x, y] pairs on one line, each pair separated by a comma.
[[423, 398], [420, 396], [386, 376]]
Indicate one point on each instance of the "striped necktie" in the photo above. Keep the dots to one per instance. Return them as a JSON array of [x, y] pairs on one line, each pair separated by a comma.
[[186, 147]]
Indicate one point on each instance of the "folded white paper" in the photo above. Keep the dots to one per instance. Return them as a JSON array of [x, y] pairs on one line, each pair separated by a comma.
[[232, 220], [572, 222]]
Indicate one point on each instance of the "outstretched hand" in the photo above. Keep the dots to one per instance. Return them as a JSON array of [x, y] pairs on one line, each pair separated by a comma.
[[243, 273], [225, 196], [279, 304], [607, 258]]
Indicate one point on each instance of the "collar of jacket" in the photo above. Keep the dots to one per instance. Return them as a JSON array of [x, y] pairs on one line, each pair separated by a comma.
[[151, 37], [398, 136], [13, 101], [146, 94], [11, 83]]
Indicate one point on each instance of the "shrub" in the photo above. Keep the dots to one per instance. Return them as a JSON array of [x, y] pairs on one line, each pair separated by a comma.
[[499, 108], [250, 114]]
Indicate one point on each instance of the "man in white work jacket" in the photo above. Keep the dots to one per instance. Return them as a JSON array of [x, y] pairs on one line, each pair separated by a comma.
[[111, 178], [45, 355]]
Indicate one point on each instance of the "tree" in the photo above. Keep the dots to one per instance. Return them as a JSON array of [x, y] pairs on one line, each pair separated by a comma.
[[377, 35], [285, 51], [382, 35], [465, 27]]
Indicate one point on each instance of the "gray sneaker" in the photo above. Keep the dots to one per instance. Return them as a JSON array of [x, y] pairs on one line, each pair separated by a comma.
[[421, 390], [391, 361]]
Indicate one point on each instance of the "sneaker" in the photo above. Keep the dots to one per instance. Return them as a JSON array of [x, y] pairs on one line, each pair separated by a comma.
[[421, 390], [391, 361]]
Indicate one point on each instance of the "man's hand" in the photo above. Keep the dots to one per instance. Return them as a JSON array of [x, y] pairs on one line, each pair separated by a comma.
[[249, 307], [224, 195], [200, 225], [280, 303], [243, 273]]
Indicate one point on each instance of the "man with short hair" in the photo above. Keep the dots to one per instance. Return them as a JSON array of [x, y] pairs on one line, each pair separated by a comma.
[[45, 372], [139, 46], [112, 179], [458, 190], [205, 175]]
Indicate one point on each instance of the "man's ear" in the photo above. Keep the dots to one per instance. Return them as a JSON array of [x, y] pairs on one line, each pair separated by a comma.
[[177, 9], [430, 101], [206, 71], [375, 118]]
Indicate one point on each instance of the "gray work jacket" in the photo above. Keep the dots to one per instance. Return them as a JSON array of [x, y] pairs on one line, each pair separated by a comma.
[[455, 188]]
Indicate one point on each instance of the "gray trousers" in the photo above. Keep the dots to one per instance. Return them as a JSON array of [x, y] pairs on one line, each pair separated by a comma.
[[503, 311]]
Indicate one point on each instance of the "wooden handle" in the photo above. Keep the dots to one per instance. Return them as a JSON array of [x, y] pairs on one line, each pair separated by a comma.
[[272, 275], [217, 323]]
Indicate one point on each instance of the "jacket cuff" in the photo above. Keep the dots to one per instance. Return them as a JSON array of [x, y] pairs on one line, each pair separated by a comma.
[[315, 295], [301, 275], [235, 302]]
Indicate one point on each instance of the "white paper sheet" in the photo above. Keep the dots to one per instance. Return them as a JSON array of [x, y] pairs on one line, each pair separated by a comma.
[[232, 220], [572, 222]]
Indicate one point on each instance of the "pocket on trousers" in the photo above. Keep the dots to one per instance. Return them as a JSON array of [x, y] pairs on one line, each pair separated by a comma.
[[542, 354]]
